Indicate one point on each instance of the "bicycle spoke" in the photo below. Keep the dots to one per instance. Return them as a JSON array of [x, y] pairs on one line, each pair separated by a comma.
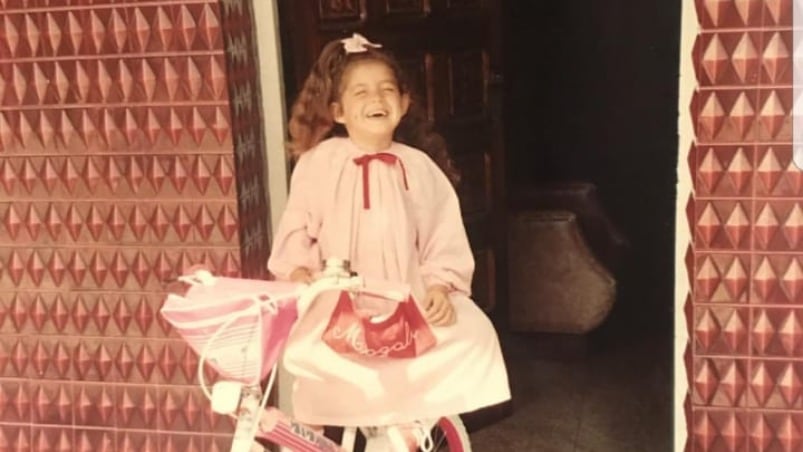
[[439, 440]]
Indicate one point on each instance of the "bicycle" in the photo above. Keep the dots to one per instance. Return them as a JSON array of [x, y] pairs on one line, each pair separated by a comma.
[[244, 345]]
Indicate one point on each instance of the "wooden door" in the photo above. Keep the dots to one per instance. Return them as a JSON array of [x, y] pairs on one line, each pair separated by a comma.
[[450, 50]]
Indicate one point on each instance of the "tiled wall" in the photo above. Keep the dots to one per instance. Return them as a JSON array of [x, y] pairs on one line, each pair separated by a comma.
[[130, 148], [744, 312]]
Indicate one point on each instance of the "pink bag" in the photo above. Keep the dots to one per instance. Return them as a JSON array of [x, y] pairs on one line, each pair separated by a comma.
[[238, 325], [403, 334]]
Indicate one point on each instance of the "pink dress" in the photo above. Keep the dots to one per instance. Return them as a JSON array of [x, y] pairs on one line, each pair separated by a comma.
[[403, 225]]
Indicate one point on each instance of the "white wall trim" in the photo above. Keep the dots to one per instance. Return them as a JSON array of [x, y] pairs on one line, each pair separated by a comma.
[[688, 83], [266, 24]]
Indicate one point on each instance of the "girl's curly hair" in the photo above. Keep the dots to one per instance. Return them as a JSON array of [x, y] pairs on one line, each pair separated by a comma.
[[311, 118]]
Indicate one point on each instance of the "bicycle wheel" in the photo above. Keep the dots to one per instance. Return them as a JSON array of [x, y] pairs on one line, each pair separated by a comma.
[[449, 434]]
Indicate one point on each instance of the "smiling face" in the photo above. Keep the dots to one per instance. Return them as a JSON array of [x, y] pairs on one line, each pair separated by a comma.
[[371, 104]]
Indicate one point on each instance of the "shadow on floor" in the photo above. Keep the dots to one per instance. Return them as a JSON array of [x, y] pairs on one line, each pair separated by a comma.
[[606, 392]]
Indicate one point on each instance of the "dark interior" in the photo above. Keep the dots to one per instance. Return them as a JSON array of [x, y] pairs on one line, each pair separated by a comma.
[[591, 95]]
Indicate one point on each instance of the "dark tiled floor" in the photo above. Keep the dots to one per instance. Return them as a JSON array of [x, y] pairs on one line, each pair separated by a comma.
[[598, 395]]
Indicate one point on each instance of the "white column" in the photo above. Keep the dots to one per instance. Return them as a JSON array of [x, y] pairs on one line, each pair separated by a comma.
[[688, 83], [266, 23]]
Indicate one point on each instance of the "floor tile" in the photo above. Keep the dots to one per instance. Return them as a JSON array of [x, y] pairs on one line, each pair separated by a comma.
[[610, 398]]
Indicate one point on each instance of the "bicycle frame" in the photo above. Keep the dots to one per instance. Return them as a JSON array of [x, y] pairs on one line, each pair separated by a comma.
[[254, 421], [248, 403], [271, 424]]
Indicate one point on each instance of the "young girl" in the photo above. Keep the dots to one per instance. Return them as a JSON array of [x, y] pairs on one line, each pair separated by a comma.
[[358, 193]]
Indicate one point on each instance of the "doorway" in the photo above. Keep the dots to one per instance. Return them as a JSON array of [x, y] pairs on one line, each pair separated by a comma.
[[590, 94]]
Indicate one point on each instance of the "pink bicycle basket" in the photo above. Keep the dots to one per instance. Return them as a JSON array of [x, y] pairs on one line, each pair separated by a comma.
[[238, 326]]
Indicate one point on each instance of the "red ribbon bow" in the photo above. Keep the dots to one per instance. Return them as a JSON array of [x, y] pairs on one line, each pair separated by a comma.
[[365, 160]]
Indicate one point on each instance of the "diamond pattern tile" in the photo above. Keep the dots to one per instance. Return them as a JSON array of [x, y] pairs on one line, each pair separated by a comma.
[[775, 385], [123, 222], [720, 382], [729, 13], [718, 430], [736, 116], [745, 58], [130, 149], [777, 175], [777, 332], [724, 171], [745, 311], [729, 58], [723, 225], [722, 278], [777, 279], [130, 176], [775, 431], [52, 404], [778, 225], [721, 330], [114, 127], [776, 59]]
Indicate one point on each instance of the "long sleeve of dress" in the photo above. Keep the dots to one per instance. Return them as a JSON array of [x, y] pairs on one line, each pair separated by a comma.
[[444, 249], [295, 242]]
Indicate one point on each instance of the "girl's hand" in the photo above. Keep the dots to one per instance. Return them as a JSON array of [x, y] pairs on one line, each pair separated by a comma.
[[439, 310], [301, 275]]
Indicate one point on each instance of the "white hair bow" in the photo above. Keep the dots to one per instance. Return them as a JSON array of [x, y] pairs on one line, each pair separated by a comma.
[[357, 43]]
